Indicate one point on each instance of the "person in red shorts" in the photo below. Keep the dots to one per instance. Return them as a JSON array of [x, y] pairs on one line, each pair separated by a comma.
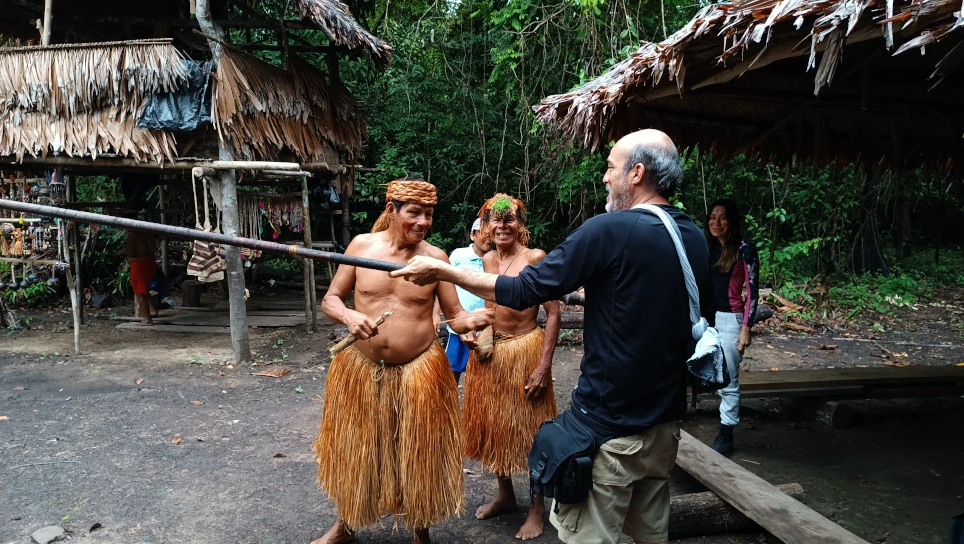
[[139, 249]]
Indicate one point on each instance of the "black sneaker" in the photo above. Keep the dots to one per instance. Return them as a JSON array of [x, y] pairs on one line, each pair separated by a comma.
[[724, 441]]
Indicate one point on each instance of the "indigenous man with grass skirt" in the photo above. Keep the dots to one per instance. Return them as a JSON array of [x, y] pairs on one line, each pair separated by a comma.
[[509, 395], [391, 438]]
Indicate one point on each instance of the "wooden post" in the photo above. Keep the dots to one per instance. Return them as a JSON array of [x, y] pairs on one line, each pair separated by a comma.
[[73, 239], [72, 291], [163, 205], [229, 204], [48, 18], [311, 299], [349, 187], [235, 272]]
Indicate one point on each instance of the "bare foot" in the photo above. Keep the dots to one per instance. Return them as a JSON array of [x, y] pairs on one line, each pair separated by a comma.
[[421, 537], [534, 524], [338, 534], [146, 323], [500, 505]]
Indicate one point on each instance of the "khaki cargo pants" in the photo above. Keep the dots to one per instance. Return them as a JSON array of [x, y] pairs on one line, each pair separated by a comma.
[[630, 491]]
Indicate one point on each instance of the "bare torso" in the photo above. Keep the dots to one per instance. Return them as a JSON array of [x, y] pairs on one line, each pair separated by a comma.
[[409, 331], [509, 322], [139, 246]]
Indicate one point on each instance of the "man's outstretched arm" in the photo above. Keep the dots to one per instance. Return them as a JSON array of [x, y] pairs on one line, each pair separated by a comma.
[[423, 270]]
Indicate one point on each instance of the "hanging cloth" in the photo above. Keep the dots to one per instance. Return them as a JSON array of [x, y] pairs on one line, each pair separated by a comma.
[[207, 262]]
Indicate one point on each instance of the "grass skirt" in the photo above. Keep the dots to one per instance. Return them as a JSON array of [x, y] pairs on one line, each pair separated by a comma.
[[500, 422], [391, 440]]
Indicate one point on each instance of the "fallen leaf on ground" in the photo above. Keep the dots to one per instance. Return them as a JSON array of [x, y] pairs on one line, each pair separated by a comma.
[[139, 381], [197, 402], [826, 346], [897, 363], [280, 455], [787, 303], [4, 418], [774, 369], [276, 373], [175, 441], [94, 527], [801, 328], [960, 364], [899, 354], [135, 529]]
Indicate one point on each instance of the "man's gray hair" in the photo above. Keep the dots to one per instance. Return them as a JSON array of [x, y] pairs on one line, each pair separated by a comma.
[[662, 166]]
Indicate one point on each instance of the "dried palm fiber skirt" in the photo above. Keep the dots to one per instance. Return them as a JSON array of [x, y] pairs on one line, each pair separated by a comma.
[[391, 440], [500, 422]]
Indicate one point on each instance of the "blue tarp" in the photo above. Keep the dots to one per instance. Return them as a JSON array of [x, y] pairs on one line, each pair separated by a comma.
[[185, 109]]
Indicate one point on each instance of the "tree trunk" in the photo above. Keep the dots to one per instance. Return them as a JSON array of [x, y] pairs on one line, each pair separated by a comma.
[[700, 514], [235, 272], [229, 205]]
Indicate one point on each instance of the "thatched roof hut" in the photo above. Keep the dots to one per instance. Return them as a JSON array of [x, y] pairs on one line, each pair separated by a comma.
[[827, 80], [85, 99]]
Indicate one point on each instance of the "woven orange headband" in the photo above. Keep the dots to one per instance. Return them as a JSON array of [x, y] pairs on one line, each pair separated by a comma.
[[416, 192]]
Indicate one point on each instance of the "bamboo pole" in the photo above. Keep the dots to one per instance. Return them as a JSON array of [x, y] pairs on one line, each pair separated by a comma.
[[182, 233]]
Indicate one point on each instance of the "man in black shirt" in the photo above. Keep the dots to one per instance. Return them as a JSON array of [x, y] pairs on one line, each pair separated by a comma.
[[637, 335]]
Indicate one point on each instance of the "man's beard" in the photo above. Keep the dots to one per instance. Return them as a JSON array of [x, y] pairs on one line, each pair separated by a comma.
[[617, 201]]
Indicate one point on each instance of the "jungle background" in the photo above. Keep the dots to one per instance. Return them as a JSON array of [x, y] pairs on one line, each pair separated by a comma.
[[455, 106]]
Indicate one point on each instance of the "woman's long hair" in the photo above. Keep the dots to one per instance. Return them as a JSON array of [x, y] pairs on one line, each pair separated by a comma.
[[734, 234]]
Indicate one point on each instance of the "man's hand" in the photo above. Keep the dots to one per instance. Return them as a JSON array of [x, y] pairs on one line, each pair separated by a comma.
[[744, 340], [540, 379], [469, 340], [480, 319], [420, 270], [359, 325]]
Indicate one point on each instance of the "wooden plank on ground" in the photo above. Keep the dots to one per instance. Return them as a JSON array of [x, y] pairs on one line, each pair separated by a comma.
[[161, 327], [839, 377], [784, 517], [224, 321]]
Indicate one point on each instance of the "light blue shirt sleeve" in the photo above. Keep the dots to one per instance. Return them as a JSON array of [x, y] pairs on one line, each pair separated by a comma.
[[465, 257]]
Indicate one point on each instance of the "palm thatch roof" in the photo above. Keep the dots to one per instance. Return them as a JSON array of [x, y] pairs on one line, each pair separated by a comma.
[[101, 20], [819, 79], [84, 100], [336, 21], [264, 111]]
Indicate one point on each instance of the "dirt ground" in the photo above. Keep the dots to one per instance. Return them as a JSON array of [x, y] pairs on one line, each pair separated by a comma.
[[154, 438]]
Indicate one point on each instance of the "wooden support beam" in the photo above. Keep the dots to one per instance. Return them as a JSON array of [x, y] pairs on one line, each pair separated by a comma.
[[38, 262], [162, 210], [779, 514], [311, 312], [48, 19], [179, 164]]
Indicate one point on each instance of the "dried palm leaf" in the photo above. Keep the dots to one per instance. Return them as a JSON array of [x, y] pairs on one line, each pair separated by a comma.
[[746, 29], [263, 110], [336, 21]]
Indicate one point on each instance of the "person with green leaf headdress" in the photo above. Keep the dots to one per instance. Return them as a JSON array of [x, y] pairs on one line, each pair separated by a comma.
[[509, 393]]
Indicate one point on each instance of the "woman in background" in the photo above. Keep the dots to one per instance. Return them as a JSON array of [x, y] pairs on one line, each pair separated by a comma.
[[734, 267]]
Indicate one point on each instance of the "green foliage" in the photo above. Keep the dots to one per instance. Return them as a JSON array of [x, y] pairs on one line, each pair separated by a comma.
[[32, 296], [285, 263]]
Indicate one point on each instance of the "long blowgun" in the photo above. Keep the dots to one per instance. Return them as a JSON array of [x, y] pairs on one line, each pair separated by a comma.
[[194, 234]]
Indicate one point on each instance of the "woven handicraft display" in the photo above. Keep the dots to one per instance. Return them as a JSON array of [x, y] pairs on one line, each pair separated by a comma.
[[207, 262]]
